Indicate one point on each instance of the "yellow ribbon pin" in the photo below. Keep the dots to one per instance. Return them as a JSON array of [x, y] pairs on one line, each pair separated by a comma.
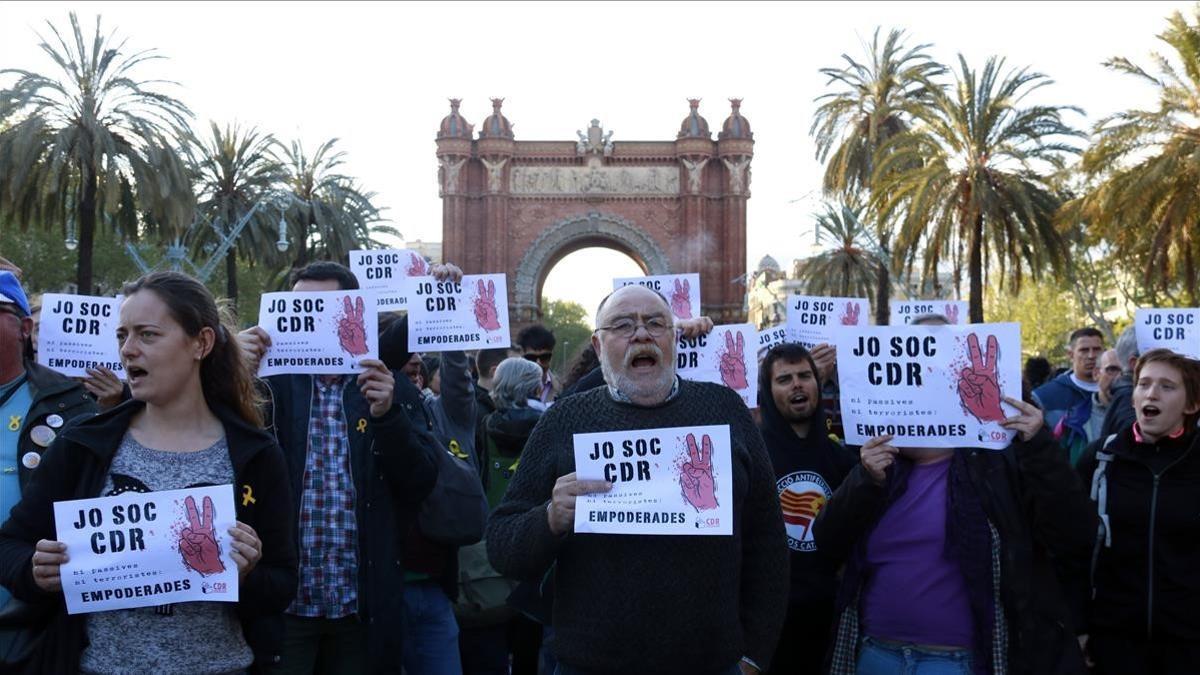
[[456, 450], [362, 425], [248, 496], [14, 423]]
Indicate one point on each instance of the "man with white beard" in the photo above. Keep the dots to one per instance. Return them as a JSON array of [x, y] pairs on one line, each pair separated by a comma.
[[646, 604]]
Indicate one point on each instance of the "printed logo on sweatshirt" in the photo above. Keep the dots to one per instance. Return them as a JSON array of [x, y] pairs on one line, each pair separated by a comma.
[[802, 494]]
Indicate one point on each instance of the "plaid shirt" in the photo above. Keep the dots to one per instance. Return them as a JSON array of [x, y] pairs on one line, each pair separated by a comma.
[[328, 531]]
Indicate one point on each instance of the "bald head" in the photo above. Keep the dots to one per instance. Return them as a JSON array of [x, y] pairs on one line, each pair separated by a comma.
[[634, 292]]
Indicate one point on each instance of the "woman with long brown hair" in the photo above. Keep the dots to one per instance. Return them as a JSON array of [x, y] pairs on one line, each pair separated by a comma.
[[192, 421]]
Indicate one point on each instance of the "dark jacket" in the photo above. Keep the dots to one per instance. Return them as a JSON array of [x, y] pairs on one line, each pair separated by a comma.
[[76, 467], [52, 394], [1120, 415], [1037, 504], [393, 469], [815, 463], [1147, 584]]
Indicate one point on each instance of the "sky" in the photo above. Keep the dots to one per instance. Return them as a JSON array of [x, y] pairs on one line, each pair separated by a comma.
[[377, 76]]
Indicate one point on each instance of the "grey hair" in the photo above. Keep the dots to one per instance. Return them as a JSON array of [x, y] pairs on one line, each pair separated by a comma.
[[517, 380], [1127, 348], [931, 320], [600, 307]]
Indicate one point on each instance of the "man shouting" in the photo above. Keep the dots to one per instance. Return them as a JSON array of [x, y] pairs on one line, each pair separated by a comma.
[[636, 603]]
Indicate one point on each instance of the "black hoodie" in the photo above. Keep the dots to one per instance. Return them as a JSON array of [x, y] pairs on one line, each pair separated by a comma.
[[807, 471]]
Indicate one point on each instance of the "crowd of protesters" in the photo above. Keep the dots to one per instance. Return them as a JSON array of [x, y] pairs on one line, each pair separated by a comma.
[[1076, 549]]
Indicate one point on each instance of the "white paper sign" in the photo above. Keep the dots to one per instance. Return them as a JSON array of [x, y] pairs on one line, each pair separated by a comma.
[[770, 337], [143, 549], [318, 332], [1174, 329], [385, 273], [78, 332], [665, 481], [723, 356], [930, 386], [682, 291], [904, 311], [471, 314], [814, 320]]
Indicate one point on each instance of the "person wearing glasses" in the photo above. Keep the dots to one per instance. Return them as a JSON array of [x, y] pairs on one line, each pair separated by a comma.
[[1107, 370], [646, 604], [537, 344]]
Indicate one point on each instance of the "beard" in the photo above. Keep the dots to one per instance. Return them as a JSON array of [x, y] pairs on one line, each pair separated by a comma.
[[651, 391]]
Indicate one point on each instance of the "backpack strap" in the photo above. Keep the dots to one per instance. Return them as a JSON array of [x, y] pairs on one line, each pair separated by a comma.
[[1099, 495]]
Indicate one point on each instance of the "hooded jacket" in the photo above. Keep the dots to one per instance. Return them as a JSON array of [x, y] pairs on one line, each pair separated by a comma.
[[807, 471], [506, 432], [1147, 583], [76, 466], [1068, 410]]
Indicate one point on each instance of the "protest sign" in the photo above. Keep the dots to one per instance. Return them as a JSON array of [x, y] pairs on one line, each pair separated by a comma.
[[682, 291], [930, 386], [143, 549], [904, 311], [78, 332], [318, 332], [721, 357], [1174, 329], [815, 320], [385, 272], [449, 315], [665, 481], [770, 337]]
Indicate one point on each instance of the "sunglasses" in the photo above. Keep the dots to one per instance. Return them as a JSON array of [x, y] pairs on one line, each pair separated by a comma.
[[543, 357]]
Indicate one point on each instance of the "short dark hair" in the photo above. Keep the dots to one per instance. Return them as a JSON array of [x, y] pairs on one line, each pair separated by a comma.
[[487, 359], [1189, 373], [1037, 370], [1085, 332], [536, 336], [324, 270], [788, 352]]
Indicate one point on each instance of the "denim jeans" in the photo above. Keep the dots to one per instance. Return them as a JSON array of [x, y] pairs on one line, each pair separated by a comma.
[[879, 658], [564, 669], [430, 635]]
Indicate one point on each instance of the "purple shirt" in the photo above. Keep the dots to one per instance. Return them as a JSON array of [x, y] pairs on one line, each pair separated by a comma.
[[913, 592]]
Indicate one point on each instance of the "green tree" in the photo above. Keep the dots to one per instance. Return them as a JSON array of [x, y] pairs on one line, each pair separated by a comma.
[[1047, 313], [850, 267], [233, 170], [876, 100], [566, 320], [1146, 164], [329, 215], [975, 172], [90, 140]]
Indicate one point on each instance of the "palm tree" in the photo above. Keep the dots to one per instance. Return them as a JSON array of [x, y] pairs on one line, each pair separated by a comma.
[[851, 266], [1146, 167], [330, 215], [877, 100], [975, 173], [233, 170], [93, 140]]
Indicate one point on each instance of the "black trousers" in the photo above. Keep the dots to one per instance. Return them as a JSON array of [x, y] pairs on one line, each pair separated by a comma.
[[1117, 654]]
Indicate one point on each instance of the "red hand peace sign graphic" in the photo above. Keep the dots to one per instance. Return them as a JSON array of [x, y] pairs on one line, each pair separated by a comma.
[[485, 306], [952, 312], [733, 362], [850, 315], [416, 266], [198, 541], [681, 302], [352, 329], [978, 386], [696, 475]]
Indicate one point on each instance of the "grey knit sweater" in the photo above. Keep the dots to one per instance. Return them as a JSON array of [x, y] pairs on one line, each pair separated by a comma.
[[651, 604]]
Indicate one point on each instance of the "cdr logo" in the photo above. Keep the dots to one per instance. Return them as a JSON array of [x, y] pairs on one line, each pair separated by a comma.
[[706, 522], [214, 588]]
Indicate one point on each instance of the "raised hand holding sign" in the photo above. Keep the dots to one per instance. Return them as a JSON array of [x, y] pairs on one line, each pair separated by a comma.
[[198, 541], [978, 384], [696, 474], [733, 362]]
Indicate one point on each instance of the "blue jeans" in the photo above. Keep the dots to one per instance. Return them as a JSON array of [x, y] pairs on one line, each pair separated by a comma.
[[878, 658], [564, 669], [430, 642]]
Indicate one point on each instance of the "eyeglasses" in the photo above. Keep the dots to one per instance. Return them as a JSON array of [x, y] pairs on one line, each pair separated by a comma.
[[543, 357], [626, 328], [1113, 370]]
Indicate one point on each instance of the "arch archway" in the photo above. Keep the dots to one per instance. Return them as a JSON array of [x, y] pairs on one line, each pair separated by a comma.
[[574, 233]]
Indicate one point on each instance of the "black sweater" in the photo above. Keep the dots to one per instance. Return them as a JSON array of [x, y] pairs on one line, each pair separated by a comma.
[[1148, 583], [650, 604]]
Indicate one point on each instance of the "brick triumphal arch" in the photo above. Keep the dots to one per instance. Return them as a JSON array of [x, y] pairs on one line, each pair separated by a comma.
[[673, 206]]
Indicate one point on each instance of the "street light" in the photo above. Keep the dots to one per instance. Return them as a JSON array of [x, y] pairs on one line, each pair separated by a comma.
[[71, 242]]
